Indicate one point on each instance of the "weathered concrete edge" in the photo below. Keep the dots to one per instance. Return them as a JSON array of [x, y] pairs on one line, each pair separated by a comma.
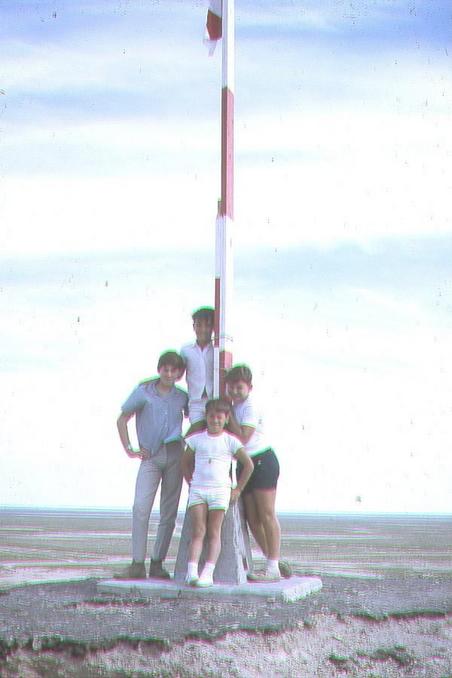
[[288, 590]]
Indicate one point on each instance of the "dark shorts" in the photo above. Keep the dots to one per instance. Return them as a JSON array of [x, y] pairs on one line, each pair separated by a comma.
[[266, 472]]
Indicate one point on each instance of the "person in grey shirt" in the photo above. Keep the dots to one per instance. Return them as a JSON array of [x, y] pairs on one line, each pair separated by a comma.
[[159, 408]]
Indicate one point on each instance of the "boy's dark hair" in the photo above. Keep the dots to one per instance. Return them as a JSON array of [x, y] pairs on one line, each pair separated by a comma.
[[239, 373], [206, 312], [171, 358], [219, 405]]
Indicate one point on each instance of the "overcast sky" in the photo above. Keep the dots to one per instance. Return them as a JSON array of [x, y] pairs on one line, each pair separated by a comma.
[[109, 180]]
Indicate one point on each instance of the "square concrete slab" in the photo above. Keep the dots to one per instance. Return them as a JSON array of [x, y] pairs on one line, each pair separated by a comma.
[[288, 590]]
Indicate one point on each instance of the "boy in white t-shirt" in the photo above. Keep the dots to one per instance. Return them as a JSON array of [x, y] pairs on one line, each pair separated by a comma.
[[260, 493], [206, 465]]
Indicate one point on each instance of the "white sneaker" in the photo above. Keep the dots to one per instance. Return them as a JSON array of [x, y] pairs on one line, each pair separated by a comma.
[[191, 580], [204, 582]]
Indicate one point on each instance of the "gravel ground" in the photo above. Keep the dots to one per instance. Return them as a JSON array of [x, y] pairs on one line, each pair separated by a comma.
[[395, 626]]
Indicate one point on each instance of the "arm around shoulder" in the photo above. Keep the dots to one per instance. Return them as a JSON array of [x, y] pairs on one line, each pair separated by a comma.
[[242, 432]]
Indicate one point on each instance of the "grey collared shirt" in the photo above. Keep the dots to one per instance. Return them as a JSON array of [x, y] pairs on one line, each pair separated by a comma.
[[158, 417]]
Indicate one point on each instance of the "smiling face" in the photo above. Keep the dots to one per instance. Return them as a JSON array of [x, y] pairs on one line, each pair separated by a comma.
[[169, 374], [216, 421], [239, 390]]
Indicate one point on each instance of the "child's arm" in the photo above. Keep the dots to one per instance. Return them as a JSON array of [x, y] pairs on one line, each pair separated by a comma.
[[188, 464], [247, 469], [123, 431], [243, 433]]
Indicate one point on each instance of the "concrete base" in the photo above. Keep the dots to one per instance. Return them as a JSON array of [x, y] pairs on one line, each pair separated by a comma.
[[288, 590]]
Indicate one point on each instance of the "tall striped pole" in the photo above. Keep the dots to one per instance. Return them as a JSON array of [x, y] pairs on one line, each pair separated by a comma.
[[235, 557], [224, 222]]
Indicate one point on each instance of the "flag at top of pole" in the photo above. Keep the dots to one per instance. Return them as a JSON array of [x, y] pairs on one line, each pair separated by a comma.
[[213, 25], [220, 24]]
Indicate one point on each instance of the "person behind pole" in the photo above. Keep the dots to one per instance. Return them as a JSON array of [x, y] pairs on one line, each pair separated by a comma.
[[259, 494], [199, 362], [159, 407], [206, 464]]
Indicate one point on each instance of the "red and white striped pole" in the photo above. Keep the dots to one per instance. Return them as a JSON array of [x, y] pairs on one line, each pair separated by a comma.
[[224, 222]]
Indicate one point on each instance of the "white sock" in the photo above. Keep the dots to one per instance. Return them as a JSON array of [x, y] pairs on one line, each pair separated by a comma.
[[192, 569], [272, 566], [207, 570]]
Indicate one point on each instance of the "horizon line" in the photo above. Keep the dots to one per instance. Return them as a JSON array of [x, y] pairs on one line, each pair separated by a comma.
[[117, 509]]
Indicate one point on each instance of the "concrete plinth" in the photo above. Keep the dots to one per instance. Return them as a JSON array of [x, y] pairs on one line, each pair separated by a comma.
[[288, 590], [235, 557]]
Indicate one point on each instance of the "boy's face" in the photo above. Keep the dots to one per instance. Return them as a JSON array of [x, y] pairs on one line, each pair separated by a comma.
[[169, 374], [216, 421], [203, 329], [239, 390]]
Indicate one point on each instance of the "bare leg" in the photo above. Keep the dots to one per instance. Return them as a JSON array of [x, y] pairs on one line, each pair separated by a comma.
[[254, 522], [265, 504], [214, 523], [198, 516]]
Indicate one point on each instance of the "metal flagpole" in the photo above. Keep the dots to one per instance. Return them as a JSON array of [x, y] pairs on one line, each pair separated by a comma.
[[224, 222]]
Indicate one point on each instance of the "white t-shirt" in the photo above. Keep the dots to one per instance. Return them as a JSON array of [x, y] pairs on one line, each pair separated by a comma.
[[213, 456], [247, 415]]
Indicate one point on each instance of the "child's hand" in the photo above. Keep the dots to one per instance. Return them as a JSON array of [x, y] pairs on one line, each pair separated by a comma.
[[144, 453], [131, 452], [235, 494], [227, 396]]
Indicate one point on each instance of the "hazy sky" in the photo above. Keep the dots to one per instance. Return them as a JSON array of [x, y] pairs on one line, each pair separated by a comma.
[[109, 180]]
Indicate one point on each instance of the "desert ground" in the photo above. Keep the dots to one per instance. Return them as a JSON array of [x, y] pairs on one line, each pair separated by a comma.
[[384, 609]]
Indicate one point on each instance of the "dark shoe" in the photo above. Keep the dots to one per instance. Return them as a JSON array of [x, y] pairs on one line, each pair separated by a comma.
[[157, 571], [284, 569], [263, 577], [134, 571]]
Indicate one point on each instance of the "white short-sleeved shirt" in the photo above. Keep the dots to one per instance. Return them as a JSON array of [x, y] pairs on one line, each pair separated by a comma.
[[199, 375], [213, 456], [247, 415]]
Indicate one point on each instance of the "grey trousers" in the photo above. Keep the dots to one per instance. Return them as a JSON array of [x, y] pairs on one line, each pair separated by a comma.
[[163, 467]]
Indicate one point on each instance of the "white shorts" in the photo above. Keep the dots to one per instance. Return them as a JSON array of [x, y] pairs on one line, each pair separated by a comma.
[[215, 497], [197, 410]]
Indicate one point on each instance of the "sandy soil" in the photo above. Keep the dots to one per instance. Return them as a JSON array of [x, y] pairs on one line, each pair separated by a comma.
[[380, 628]]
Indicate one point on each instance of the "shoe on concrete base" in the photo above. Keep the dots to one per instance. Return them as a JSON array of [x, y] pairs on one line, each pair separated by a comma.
[[136, 570], [157, 571], [263, 577], [191, 580], [204, 582], [285, 569]]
